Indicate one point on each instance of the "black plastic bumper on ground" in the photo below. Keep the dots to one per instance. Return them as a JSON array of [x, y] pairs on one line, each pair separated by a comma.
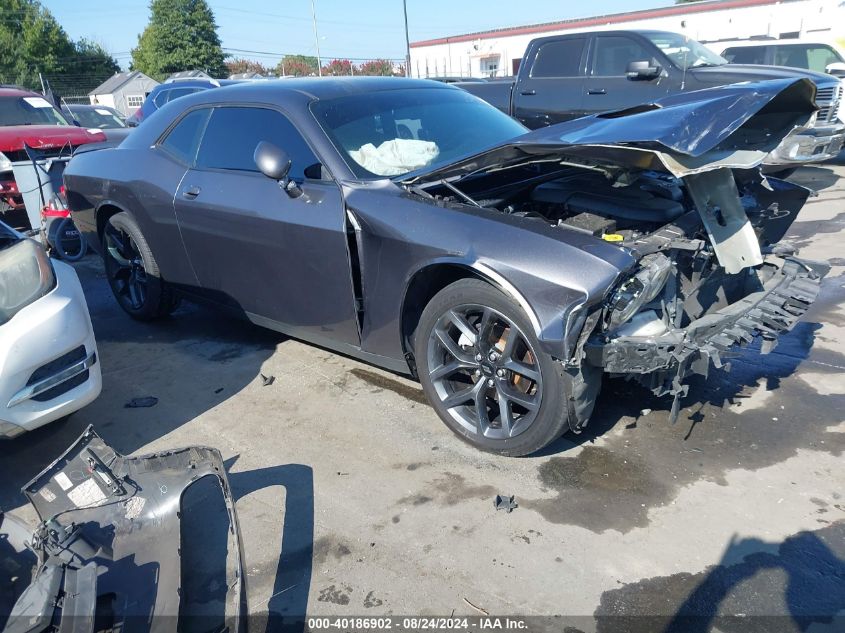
[[661, 363]]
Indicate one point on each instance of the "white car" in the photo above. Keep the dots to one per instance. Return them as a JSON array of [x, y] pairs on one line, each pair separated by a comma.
[[818, 56], [48, 356]]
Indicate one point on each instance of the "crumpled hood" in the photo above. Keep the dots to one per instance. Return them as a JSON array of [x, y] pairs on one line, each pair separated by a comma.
[[13, 137], [757, 72], [728, 126]]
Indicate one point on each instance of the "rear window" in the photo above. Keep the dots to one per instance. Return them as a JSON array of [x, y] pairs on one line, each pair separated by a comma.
[[182, 141], [97, 117], [559, 59], [34, 110]]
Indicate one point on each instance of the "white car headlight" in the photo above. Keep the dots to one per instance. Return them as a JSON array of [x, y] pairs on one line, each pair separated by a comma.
[[639, 290], [5, 163], [26, 275]]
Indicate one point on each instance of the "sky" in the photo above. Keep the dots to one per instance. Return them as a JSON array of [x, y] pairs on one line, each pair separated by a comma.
[[346, 28]]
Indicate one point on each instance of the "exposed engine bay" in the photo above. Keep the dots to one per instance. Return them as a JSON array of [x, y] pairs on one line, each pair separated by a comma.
[[711, 269], [148, 543]]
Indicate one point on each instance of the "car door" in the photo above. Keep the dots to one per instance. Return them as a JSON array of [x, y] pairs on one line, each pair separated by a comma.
[[281, 259], [553, 89], [607, 86]]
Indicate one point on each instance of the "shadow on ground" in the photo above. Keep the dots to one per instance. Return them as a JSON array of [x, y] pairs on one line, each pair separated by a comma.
[[778, 587], [284, 609], [191, 362]]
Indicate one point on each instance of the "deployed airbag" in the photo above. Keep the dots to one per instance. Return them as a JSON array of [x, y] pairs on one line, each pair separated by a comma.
[[395, 157]]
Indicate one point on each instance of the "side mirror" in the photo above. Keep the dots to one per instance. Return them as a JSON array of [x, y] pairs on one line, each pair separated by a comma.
[[837, 69], [274, 163], [644, 70]]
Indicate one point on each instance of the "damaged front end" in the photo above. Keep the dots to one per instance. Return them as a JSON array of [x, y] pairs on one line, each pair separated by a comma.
[[677, 185], [147, 543], [706, 283]]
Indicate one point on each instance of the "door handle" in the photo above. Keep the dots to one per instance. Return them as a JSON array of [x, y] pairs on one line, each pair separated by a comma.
[[597, 91], [528, 93], [191, 192]]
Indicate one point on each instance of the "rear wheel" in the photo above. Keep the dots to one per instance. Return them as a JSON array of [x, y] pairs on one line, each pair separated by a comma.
[[132, 271], [484, 372]]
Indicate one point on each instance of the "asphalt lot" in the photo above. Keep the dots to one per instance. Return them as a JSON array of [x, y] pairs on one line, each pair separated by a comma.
[[355, 499]]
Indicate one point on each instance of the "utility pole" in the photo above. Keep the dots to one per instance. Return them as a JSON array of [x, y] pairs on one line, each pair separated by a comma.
[[407, 41], [316, 39]]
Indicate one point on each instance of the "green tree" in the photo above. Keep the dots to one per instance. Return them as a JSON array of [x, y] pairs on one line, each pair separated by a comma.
[[181, 35], [92, 59], [32, 42], [297, 66]]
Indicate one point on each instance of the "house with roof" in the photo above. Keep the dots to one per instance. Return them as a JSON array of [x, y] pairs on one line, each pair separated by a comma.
[[187, 74], [125, 92], [498, 52]]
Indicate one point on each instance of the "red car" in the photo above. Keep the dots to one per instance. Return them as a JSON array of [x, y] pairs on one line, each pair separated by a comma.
[[28, 118]]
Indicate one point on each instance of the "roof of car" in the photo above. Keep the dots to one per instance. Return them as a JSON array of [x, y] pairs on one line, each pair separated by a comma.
[[767, 42], [325, 87], [17, 92], [82, 106]]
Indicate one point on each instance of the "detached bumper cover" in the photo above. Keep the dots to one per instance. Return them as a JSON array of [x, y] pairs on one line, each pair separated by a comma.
[[661, 363], [148, 543]]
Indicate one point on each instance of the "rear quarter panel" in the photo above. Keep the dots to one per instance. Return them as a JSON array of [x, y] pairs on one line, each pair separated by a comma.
[[141, 182]]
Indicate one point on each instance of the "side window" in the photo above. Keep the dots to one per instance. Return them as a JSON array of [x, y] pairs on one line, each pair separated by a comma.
[[819, 57], [792, 56], [559, 59], [614, 53], [233, 133], [161, 98], [182, 140], [745, 54], [180, 92]]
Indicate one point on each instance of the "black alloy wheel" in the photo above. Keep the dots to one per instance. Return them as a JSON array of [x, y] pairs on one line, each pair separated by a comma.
[[132, 271], [484, 372]]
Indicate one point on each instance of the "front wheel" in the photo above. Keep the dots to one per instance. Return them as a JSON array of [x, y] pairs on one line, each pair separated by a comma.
[[483, 371], [132, 271]]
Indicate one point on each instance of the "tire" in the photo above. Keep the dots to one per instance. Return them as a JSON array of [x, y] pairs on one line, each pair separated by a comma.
[[70, 249], [456, 371], [132, 272]]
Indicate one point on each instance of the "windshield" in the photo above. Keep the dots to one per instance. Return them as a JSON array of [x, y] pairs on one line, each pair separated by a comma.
[[684, 52], [32, 110], [101, 118], [394, 132]]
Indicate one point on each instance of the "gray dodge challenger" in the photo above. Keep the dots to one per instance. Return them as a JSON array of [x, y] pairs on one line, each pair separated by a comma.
[[413, 226]]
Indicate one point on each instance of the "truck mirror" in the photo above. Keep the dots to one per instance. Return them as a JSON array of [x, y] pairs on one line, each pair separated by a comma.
[[642, 70], [837, 69]]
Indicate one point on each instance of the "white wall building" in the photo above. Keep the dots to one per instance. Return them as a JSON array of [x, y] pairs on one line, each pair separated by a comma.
[[498, 52]]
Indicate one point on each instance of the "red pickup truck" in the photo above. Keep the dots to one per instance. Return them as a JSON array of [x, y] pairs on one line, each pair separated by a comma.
[[28, 118]]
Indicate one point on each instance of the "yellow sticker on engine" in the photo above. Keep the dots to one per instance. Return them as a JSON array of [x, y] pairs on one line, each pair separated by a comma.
[[613, 237]]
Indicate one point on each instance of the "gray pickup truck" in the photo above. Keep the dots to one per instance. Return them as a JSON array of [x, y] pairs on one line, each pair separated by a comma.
[[563, 77]]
